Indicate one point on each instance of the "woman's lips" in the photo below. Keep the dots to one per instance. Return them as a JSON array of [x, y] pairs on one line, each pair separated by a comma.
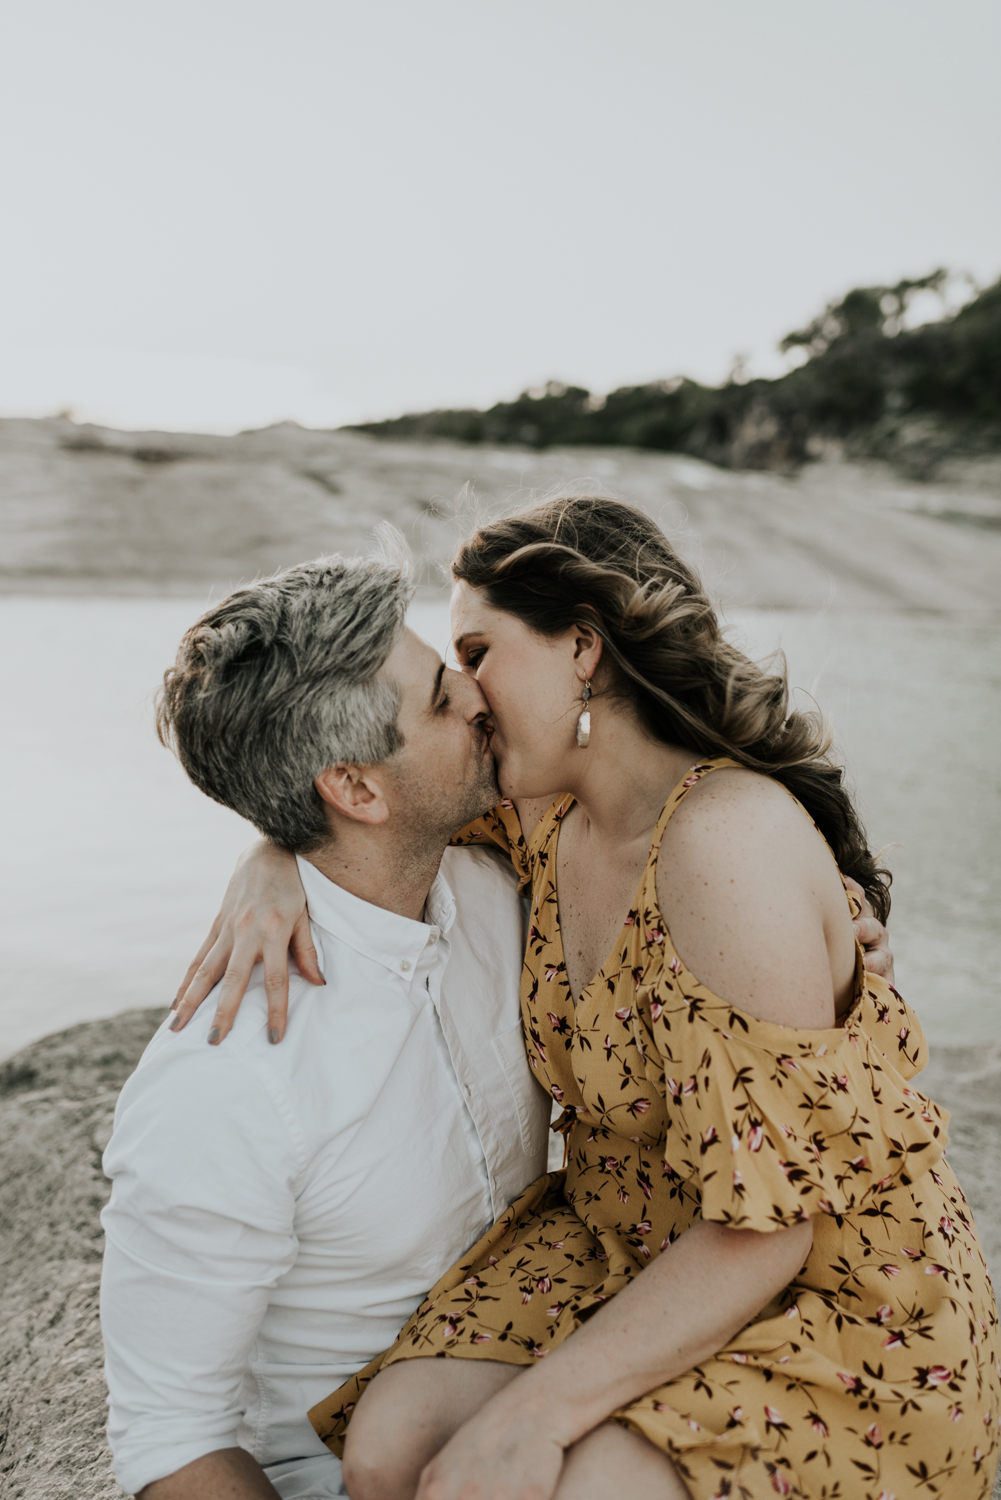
[[491, 736]]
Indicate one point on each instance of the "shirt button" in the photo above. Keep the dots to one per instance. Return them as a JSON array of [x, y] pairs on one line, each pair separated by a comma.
[[432, 937], [405, 966]]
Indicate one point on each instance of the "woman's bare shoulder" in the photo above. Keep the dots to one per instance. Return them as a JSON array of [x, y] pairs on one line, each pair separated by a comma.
[[746, 885], [735, 808], [739, 792], [734, 826]]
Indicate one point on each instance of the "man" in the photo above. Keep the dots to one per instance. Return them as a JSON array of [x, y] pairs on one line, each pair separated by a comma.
[[278, 1212]]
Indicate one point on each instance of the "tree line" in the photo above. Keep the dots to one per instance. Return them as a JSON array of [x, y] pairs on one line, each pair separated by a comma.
[[866, 383]]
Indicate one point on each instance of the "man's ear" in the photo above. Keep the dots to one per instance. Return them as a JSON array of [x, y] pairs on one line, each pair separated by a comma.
[[353, 791]]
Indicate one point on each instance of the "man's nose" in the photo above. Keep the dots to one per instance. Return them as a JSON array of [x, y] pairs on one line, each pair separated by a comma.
[[470, 694]]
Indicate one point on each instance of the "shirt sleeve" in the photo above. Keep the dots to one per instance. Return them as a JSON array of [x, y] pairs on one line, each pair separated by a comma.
[[501, 827], [199, 1229], [768, 1125]]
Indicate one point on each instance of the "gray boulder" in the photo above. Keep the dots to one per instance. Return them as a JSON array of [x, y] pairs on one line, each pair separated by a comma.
[[57, 1100]]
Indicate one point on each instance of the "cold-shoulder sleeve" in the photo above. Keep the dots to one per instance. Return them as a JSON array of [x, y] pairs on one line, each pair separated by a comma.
[[769, 1125], [501, 827]]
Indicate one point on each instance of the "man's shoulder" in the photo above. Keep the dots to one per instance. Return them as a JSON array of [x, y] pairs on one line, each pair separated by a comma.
[[264, 1100], [181, 1070], [491, 919], [248, 1035], [479, 873]]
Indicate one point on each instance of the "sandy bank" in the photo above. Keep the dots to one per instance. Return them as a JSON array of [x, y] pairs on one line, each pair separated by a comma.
[[90, 509], [56, 1104]]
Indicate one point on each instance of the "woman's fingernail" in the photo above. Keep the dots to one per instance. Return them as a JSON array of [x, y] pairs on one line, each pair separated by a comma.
[[174, 1024], [213, 1036], [273, 1034], [173, 1004]]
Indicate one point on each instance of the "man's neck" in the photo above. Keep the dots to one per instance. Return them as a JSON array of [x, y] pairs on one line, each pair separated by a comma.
[[380, 872]]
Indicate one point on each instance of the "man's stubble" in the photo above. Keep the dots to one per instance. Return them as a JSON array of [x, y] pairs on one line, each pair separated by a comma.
[[436, 812]]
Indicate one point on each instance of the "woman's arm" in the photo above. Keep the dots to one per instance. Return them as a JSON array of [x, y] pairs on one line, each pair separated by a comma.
[[263, 917], [677, 1312]]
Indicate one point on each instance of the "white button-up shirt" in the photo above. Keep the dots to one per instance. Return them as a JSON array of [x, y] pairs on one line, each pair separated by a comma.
[[278, 1212]]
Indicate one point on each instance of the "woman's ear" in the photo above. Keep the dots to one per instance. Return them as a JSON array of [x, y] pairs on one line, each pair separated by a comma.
[[588, 647], [353, 792]]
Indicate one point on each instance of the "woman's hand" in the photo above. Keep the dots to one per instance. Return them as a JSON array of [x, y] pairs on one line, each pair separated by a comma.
[[681, 1309], [872, 935], [503, 1453], [263, 916]]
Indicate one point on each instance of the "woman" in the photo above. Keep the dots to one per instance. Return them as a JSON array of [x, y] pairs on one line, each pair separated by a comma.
[[757, 1274]]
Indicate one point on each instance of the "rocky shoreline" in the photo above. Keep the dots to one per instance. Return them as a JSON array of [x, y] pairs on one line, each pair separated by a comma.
[[57, 1102], [91, 510]]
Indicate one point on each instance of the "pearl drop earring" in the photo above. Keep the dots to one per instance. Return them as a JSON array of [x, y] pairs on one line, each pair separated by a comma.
[[584, 722]]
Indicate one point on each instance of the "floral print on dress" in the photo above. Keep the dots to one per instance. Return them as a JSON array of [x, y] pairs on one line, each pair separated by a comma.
[[876, 1374]]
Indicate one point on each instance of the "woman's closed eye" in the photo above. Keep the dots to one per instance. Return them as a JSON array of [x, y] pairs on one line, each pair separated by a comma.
[[472, 656]]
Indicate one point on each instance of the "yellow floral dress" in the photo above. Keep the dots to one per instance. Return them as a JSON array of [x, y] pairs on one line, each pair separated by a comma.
[[876, 1373]]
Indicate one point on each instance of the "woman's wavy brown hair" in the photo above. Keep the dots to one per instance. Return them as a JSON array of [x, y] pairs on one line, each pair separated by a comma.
[[577, 559]]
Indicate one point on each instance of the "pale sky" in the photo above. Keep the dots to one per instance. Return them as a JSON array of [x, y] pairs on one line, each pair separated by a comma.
[[220, 213]]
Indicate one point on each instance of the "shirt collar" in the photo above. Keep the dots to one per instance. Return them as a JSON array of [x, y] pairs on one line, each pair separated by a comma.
[[391, 940]]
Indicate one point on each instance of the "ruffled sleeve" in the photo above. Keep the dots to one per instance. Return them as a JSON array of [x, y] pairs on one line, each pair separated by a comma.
[[501, 827], [768, 1125]]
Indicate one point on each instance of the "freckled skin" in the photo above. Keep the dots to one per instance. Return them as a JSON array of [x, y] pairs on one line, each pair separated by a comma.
[[766, 926], [596, 887]]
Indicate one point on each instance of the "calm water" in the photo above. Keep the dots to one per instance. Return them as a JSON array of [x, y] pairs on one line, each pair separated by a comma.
[[114, 864]]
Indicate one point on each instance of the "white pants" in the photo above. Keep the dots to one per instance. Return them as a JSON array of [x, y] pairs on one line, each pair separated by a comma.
[[307, 1478]]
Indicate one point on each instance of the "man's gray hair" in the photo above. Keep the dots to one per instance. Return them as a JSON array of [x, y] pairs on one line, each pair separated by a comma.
[[280, 680]]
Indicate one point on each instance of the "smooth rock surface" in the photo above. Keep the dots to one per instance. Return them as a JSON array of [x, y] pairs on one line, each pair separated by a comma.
[[93, 510], [57, 1100]]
